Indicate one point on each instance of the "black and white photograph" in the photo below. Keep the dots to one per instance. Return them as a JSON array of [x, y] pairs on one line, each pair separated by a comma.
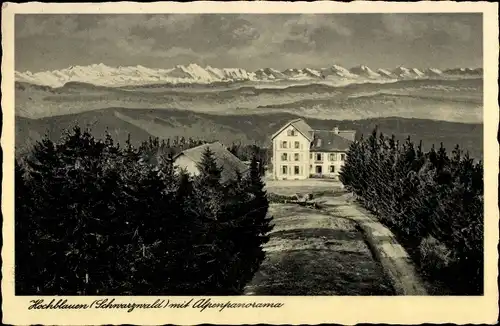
[[249, 154]]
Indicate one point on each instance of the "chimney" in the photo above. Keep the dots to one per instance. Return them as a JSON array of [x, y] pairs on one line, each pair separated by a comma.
[[336, 130]]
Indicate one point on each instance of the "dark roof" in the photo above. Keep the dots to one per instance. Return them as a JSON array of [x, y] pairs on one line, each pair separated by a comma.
[[300, 125], [224, 158], [330, 142], [348, 134]]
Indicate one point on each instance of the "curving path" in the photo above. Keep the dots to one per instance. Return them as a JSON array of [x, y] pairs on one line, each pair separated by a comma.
[[393, 257], [338, 250], [313, 253]]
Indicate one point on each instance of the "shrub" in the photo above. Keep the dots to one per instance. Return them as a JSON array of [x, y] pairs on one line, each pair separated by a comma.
[[279, 199], [434, 256]]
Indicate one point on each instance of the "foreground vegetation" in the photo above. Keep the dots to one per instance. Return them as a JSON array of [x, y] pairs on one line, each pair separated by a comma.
[[433, 201], [95, 218]]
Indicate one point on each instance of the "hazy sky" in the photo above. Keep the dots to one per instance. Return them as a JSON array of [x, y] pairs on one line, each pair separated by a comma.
[[250, 41]]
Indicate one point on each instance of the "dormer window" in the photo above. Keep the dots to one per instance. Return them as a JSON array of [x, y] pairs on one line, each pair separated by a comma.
[[318, 142]]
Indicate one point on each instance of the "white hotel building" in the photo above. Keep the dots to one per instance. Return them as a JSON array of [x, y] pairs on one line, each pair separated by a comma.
[[300, 152]]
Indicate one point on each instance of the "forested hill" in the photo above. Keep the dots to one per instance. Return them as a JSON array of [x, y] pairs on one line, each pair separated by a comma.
[[246, 129]]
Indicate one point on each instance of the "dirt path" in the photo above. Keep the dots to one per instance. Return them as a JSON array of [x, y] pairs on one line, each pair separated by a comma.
[[314, 253], [393, 257]]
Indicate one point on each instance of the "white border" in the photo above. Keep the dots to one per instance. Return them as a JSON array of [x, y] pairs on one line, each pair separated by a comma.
[[297, 310]]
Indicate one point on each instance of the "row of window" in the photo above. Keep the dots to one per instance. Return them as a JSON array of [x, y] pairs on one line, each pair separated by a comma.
[[318, 157], [319, 169], [298, 171], [285, 144], [296, 144], [296, 157], [331, 157]]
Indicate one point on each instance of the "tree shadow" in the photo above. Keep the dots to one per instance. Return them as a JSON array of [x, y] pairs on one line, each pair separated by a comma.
[[311, 233]]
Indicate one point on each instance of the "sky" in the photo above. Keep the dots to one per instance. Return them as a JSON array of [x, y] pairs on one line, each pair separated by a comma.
[[249, 41]]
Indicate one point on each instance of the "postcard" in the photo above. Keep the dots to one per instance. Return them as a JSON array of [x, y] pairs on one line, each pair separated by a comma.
[[250, 162]]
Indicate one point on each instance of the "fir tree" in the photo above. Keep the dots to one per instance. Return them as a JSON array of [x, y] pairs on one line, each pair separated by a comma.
[[256, 221], [421, 195], [210, 203], [210, 173], [46, 183], [25, 228]]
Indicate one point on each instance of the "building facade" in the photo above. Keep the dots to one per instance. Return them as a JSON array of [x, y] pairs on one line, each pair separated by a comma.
[[300, 152]]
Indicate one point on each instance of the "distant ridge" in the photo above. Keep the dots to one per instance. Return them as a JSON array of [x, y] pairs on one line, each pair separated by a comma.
[[103, 75], [247, 129]]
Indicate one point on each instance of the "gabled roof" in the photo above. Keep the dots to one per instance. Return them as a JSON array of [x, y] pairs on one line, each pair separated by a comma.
[[330, 142], [224, 159], [300, 125]]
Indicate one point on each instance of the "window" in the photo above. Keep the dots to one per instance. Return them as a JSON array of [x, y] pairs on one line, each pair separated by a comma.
[[319, 157], [284, 157], [318, 143], [310, 167], [291, 132], [284, 169], [296, 170], [332, 168], [319, 169], [297, 144], [296, 156], [342, 157], [310, 156], [283, 144], [333, 157]]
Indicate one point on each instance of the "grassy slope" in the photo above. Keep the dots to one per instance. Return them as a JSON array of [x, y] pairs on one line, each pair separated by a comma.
[[228, 128]]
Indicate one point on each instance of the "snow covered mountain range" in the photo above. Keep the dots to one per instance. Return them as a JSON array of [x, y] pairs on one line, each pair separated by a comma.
[[103, 75]]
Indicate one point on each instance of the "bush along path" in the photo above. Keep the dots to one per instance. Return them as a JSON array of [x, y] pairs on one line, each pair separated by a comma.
[[431, 201]]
